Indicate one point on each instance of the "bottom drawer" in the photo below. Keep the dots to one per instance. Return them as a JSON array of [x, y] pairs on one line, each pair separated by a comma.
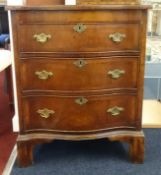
[[79, 114]]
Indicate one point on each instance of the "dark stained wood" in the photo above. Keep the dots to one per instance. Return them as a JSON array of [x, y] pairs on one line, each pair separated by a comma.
[[26, 55], [24, 154], [136, 150], [72, 121]]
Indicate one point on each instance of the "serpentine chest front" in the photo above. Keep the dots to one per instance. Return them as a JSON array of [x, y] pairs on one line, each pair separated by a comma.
[[79, 74]]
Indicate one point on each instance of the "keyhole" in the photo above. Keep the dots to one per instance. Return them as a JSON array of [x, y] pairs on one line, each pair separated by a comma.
[[81, 63]]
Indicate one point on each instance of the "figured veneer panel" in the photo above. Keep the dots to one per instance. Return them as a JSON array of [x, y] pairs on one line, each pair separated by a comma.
[[68, 76], [63, 37], [70, 116]]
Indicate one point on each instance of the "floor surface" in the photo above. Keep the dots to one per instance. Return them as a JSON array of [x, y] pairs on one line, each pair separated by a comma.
[[7, 137]]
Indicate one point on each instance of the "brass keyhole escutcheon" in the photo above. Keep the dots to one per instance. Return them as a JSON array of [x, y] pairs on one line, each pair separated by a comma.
[[80, 63], [81, 101], [80, 28]]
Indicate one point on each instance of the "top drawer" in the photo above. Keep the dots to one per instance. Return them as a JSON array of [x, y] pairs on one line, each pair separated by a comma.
[[79, 37]]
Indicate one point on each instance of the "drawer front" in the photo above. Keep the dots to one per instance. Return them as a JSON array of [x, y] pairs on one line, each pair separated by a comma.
[[79, 74], [88, 113], [73, 16], [78, 37]]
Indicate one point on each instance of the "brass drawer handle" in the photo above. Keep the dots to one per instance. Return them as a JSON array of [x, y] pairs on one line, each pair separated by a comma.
[[45, 113], [44, 75], [42, 37], [117, 37], [117, 73], [115, 111], [81, 101], [80, 63], [80, 28]]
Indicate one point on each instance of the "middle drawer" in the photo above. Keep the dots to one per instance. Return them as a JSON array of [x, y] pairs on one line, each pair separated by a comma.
[[79, 74]]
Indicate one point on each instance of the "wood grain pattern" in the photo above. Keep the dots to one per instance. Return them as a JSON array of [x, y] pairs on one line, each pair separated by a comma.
[[94, 38], [92, 76], [79, 14], [24, 153], [72, 117], [69, 120]]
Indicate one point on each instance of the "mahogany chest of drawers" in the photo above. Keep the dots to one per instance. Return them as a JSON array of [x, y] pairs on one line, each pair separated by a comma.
[[79, 73]]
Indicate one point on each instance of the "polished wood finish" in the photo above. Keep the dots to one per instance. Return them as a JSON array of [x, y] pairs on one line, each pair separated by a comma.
[[91, 76], [24, 153], [88, 117], [94, 38], [67, 68]]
